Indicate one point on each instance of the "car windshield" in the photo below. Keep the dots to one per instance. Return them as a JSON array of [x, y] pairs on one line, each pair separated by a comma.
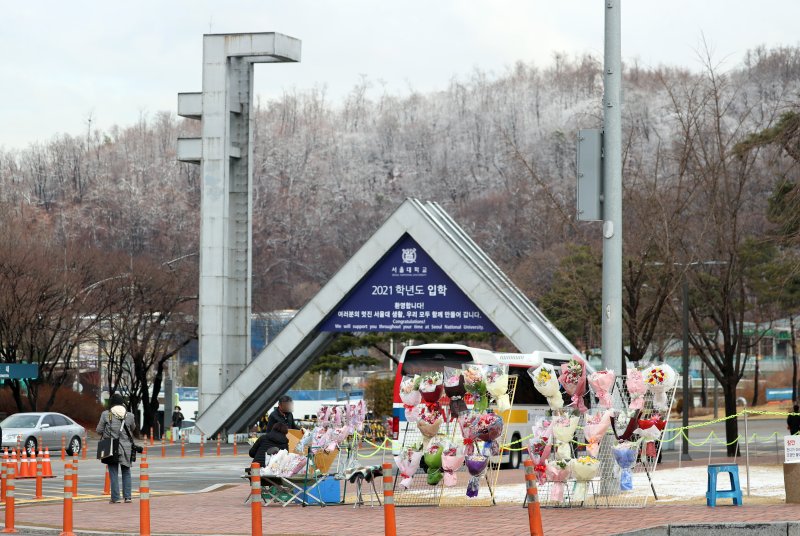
[[21, 420]]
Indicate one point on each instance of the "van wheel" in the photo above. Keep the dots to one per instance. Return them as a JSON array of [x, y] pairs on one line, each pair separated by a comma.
[[514, 456]]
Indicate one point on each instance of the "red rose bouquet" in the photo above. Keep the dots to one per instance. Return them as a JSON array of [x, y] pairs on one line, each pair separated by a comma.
[[430, 387], [573, 380], [407, 464], [539, 447]]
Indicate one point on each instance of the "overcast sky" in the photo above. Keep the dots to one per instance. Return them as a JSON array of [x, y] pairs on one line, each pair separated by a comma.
[[62, 61]]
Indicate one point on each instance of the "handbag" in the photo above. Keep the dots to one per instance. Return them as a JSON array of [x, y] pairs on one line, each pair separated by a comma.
[[108, 448]]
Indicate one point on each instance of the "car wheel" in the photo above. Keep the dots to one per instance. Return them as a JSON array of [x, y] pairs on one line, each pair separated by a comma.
[[30, 446], [514, 456], [74, 446]]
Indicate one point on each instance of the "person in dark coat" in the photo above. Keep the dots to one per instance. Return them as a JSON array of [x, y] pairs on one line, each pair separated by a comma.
[[270, 443], [117, 423], [177, 422], [793, 421], [283, 414]]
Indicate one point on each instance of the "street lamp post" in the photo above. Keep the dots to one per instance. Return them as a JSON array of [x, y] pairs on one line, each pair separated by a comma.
[[687, 402]]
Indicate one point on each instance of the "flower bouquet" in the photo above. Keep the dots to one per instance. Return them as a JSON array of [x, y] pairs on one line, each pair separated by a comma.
[[602, 382], [488, 428], [358, 416], [432, 454], [430, 421], [625, 455], [455, 391], [545, 380], [305, 441], [497, 385], [322, 438], [573, 379], [557, 473], [539, 448], [334, 416], [475, 382], [407, 463], [430, 387], [476, 465], [584, 469], [563, 430], [650, 431], [410, 396], [660, 379], [468, 422], [451, 463], [284, 464], [595, 428], [636, 388]]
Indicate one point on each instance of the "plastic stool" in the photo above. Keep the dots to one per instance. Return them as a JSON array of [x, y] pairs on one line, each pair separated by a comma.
[[735, 493]]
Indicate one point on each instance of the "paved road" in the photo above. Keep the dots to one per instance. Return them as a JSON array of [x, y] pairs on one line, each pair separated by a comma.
[[764, 447], [171, 474], [167, 475]]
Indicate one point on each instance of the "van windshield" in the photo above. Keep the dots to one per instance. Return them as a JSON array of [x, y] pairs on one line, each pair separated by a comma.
[[426, 360]]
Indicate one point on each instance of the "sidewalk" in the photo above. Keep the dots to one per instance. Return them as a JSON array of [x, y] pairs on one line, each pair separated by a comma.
[[223, 512]]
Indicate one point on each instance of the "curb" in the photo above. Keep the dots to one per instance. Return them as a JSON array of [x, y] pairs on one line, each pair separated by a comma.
[[25, 530], [778, 528]]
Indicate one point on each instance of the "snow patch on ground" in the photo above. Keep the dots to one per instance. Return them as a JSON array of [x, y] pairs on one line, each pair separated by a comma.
[[681, 484], [691, 482]]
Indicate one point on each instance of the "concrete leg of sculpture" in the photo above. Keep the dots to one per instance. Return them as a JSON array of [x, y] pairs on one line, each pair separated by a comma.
[[225, 152]]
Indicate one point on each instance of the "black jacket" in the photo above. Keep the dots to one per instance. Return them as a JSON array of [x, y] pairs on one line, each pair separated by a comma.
[[177, 419], [264, 443], [793, 422], [277, 416]]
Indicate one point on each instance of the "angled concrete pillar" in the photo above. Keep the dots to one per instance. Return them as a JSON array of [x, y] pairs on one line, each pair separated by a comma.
[[224, 152]]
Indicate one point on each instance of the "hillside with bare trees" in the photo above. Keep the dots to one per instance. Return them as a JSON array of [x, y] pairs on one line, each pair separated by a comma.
[[498, 151]]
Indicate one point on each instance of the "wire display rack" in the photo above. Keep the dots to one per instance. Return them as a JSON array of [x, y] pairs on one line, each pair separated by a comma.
[[420, 493], [604, 490], [607, 489]]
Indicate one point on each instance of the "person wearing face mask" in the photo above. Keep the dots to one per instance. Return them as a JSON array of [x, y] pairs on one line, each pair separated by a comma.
[[282, 414]]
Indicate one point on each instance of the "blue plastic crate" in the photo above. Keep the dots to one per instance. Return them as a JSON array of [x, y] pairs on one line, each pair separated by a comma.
[[328, 489]]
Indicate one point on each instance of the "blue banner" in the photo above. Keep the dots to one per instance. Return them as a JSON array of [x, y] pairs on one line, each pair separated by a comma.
[[407, 291]]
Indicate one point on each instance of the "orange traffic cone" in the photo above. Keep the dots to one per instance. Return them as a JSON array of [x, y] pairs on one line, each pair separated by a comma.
[[47, 469], [24, 468]]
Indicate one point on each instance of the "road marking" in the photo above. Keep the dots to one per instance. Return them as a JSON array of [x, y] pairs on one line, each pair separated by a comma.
[[212, 487]]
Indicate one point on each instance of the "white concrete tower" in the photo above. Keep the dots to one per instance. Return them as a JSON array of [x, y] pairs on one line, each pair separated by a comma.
[[225, 154]]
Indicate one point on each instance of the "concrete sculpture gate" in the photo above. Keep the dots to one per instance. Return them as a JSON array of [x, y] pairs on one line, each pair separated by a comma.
[[235, 390]]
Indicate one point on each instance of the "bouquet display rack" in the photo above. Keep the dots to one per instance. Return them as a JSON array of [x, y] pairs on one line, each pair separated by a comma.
[[647, 452], [604, 456], [452, 490]]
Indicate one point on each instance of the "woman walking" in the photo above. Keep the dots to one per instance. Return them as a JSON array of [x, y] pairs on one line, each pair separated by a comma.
[[117, 423]]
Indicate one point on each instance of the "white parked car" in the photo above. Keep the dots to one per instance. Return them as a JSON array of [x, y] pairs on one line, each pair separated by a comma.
[[47, 427]]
